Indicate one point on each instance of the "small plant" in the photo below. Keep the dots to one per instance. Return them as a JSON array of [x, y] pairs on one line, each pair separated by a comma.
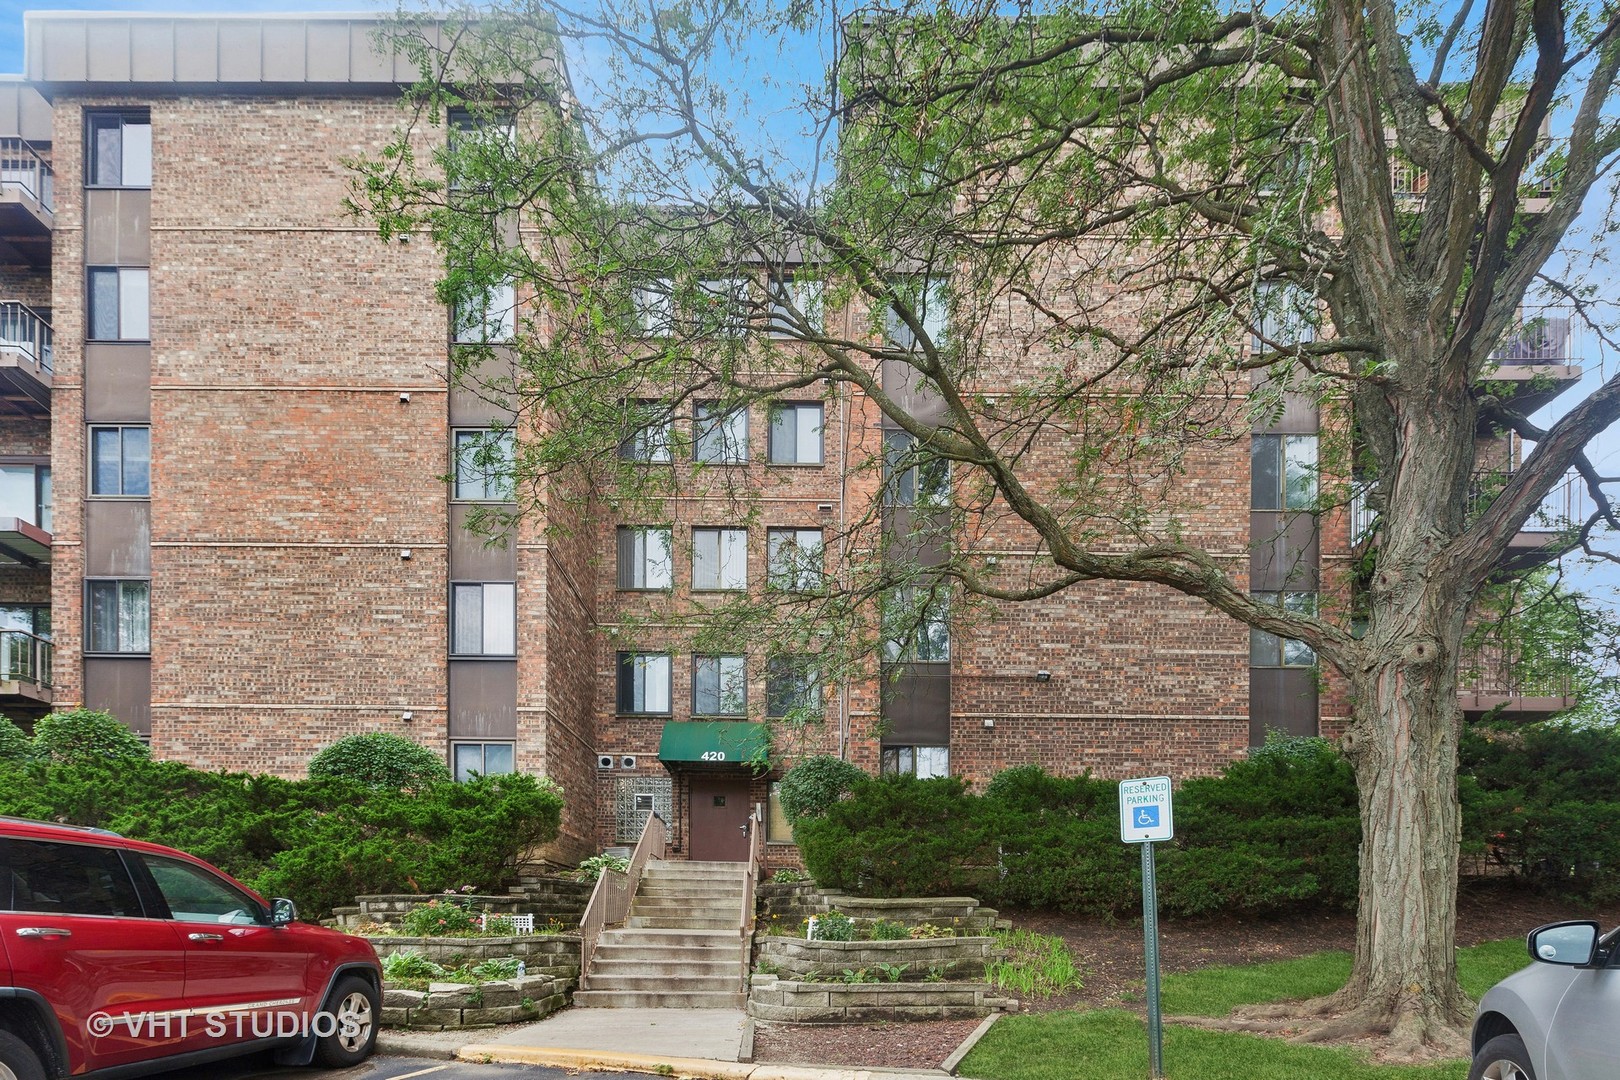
[[858, 975], [927, 930], [889, 930], [496, 969], [834, 926], [1036, 965], [936, 973], [788, 876], [499, 925], [768, 967], [409, 964], [590, 869], [436, 919], [892, 972]]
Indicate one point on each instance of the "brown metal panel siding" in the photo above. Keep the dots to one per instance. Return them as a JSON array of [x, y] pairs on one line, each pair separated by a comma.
[[284, 51], [916, 704], [1281, 699], [472, 557], [117, 383], [475, 400], [117, 538], [117, 227], [483, 699], [915, 538], [904, 383], [196, 51], [122, 686], [1300, 416], [152, 49], [1283, 555], [240, 52], [108, 49]]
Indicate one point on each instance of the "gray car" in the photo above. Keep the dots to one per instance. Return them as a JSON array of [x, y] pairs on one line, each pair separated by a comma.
[[1555, 1020]]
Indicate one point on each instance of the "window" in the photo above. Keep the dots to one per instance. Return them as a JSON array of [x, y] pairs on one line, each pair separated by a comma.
[[719, 686], [121, 461], [723, 306], [1283, 472], [66, 879], [483, 619], [25, 493], [721, 434], [916, 626], [645, 558], [1284, 315], [644, 684], [120, 616], [796, 307], [119, 303], [649, 425], [928, 300], [29, 618], [484, 465], [794, 560], [719, 559], [478, 143], [923, 762], [120, 150], [796, 434], [487, 314], [1269, 650], [793, 688], [654, 302], [912, 477], [482, 759], [195, 895]]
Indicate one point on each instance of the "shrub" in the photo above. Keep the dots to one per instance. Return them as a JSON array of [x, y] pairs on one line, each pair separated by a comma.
[[14, 745], [496, 969], [439, 919], [788, 876], [590, 869], [85, 735], [928, 931], [889, 930], [380, 760], [834, 926], [499, 925], [409, 964], [815, 784]]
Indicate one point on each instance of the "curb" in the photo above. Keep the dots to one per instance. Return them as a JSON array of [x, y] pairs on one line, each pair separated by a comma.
[[951, 1063], [692, 1068]]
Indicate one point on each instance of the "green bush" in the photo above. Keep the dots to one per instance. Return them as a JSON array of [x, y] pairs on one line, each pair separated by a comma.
[[834, 926], [590, 869], [889, 930], [85, 735], [14, 745], [439, 918], [379, 760], [409, 964], [814, 785]]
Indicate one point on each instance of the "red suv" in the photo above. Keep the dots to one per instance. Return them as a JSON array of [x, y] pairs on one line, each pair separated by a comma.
[[130, 957]]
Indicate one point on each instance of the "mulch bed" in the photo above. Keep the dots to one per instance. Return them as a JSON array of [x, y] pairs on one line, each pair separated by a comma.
[[1110, 953]]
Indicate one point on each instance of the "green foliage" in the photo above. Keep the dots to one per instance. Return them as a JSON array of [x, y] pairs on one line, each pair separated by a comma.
[[86, 735], [499, 926], [889, 930], [814, 785], [788, 876], [834, 926], [377, 759], [14, 745], [409, 964], [891, 972], [928, 930], [590, 869], [1036, 965], [439, 919], [496, 969]]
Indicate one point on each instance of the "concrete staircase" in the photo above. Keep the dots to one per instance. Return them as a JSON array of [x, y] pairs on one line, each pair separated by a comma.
[[679, 948]]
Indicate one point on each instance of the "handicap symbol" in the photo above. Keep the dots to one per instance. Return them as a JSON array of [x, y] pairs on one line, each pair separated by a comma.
[[1147, 817]]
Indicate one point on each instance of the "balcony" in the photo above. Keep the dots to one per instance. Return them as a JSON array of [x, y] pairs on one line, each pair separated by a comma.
[[26, 201], [1536, 361], [25, 668], [1566, 507], [25, 360], [1490, 679]]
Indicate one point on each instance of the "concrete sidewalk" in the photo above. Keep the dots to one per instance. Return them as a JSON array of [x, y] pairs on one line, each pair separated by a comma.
[[715, 1034]]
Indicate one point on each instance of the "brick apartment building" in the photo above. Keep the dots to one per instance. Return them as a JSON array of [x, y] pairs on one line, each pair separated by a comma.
[[225, 516]]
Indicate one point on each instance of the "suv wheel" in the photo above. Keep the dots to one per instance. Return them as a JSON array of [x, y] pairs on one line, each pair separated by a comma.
[[18, 1060], [355, 1005], [1503, 1058]]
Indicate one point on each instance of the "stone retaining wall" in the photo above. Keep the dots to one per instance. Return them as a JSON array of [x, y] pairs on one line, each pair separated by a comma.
[[460, 1005], [555, 955], [792, 904], [840, 1003], [963, 957], [547, 899]]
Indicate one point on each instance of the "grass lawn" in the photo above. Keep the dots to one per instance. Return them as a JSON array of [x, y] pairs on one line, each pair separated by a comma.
[[1111, 1044]]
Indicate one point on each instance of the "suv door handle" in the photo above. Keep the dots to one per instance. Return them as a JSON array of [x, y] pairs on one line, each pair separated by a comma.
[[206, 937], [43, 932]]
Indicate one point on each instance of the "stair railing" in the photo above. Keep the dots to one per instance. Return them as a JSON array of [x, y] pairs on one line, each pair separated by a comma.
[[756, 846], [610, 900]]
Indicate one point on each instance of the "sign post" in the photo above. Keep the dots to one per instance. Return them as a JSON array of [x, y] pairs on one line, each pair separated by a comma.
[[1145, 817]]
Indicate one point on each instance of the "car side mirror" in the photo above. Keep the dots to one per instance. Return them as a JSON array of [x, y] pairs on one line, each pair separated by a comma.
[[1569, 943], [282, 911]]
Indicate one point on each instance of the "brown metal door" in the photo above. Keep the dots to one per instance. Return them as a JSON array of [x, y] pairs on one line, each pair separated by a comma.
[[719, 813]]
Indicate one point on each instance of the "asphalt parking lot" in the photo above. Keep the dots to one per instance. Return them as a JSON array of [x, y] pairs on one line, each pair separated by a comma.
[[381, 1068]]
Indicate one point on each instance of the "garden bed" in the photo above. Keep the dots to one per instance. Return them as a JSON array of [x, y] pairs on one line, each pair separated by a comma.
[[467, 1005], [795, 1001], [555, 955], [915, 960], [784, 906]]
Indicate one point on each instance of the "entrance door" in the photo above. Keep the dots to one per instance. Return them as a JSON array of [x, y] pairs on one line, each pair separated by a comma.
[[719, 815]]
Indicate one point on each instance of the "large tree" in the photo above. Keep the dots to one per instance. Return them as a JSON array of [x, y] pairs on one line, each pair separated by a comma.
[[1115, 203]]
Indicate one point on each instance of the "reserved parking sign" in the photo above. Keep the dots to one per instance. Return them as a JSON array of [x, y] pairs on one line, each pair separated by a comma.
[[1145, 814]]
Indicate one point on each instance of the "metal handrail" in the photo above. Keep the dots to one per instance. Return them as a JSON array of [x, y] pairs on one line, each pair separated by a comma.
[[1492, 668], [25, 657], [1566, 506], [1544, 340], [24, 329], [756, 838], [610, 900], [21, 167]]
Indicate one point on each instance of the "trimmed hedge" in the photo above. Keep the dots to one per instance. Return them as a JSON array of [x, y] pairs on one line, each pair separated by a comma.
[[379, 760]]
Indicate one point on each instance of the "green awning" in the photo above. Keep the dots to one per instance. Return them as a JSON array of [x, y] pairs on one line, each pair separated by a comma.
[[714, 742]]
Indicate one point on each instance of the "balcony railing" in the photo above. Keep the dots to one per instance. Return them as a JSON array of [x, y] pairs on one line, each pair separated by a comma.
[[1493, 669], [25, 657], [24, 329], [1537, 341], [23, 169], [1566, 506]]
